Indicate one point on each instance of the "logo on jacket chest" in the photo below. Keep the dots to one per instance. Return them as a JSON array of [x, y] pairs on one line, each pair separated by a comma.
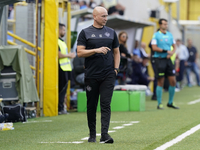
[[107, 34], [93, 35]]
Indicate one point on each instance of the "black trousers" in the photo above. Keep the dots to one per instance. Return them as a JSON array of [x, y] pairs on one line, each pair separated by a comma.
[[182, 69], [104, 88], [64, 76], [155, 79]]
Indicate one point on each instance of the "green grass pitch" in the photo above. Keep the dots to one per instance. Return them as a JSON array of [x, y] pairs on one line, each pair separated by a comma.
[[155, 128]]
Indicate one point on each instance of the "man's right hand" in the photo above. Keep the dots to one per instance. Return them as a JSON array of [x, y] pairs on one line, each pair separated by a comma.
[[103, 50], [72, 55]]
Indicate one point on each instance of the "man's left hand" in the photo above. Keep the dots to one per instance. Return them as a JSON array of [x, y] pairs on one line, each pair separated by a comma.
[[116, 72], [170, 53]]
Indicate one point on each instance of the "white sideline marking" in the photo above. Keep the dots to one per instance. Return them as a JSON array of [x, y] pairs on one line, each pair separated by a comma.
[[111, 131], [98, 134], [86, 138], [119, 121], [38, 121], [128, 124], [179, 138], [194, 102], [134, 122], [75, 142], [124, 121], [119, 127]]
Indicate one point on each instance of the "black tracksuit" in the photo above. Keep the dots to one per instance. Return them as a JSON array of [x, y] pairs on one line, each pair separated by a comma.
[[99, 74]]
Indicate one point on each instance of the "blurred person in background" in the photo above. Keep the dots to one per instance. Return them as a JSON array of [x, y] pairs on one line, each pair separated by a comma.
[[11, 12], [124, 68], [123, 37], [143, 50], [116, 10], [92, 4], [140, 72], [182, 56], [191, 64], [83, 5], [64, 68], [139, 51], [136, 50], [75, 5]]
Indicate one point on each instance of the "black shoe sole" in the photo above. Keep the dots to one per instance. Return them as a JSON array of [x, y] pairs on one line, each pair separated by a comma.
[[92, 141], [110, 141], [173, 107]]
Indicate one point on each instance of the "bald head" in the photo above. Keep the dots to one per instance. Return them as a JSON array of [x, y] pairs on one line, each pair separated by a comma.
[[98, 10], [100, 16]]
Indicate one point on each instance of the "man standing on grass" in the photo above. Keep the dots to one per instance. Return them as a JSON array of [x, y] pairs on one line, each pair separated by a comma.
[[64, 68], [162, 44], [100, 47]]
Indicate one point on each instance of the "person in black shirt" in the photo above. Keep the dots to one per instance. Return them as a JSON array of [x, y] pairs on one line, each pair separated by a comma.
[[116, 10], [191, 63], [123, 46], [124, 67], [100, 47]]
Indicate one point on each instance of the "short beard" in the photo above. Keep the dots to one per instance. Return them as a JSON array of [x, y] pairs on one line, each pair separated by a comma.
[[62, 35]]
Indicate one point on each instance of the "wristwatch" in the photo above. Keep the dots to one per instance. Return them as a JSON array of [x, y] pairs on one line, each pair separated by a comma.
[[164, 51], [117, 69]]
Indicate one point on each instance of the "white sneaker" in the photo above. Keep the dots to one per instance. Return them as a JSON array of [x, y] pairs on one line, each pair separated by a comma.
[[177, 90]]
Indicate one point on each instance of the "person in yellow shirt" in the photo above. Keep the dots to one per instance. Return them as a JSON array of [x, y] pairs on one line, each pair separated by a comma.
[[64, 68]]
